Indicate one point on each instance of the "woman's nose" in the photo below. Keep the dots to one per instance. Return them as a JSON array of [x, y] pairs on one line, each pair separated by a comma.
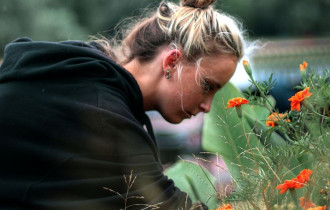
[[205, 106]]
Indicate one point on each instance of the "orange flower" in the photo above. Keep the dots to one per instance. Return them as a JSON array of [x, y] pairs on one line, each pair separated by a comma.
[[295, 183], [306, 203], [236, 102], [274, 117], [225, 206], [318, 208], [298, 98], [304, 175], [289, 185], [303, 66]]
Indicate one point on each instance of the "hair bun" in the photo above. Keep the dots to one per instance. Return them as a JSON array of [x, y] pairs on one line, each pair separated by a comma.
[[164, 9], [197, 3]]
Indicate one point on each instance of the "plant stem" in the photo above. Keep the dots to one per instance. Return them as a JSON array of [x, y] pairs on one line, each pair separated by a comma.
[[287, 137], [261, 92], [294, 197], [320, 115], [322, 119]]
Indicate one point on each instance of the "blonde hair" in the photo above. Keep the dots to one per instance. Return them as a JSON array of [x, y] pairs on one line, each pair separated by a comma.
[[193, 26]]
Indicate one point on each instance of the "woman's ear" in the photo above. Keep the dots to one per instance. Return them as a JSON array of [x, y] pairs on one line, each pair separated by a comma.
[[170, 60]]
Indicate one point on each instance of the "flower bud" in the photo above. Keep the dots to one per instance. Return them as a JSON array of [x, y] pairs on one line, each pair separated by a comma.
[[247, 67], [303, 67]]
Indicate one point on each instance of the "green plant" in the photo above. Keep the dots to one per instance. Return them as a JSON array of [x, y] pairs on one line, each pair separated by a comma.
[[262, 147]]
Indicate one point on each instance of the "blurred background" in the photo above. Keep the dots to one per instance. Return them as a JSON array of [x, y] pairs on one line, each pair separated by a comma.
[[291, 31]]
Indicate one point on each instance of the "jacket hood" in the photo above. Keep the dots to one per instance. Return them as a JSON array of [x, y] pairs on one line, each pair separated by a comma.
[[41, 60]]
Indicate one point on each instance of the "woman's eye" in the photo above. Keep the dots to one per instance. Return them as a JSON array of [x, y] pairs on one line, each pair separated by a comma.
[[207, 87]]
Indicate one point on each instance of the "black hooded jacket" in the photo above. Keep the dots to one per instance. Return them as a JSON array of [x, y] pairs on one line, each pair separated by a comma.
[[72, 129]]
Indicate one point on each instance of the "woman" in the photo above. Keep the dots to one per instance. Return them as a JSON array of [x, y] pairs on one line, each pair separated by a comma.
[[74, 133]]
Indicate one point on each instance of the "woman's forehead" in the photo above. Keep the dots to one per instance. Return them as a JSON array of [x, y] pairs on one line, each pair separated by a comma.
[[220, 63], [219, 68]]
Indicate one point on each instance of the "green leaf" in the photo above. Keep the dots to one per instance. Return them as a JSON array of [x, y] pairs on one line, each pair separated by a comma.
[[260, 112], [229, 136], [195, 180]]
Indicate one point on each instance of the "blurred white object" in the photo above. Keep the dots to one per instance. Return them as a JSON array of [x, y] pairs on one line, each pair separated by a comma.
[[240, 78]]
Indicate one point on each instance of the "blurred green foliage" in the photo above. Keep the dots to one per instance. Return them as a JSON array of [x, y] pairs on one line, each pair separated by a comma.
[[77, 19]]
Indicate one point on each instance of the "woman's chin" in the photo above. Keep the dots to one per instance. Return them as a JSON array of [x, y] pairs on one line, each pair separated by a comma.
[[174, 120]]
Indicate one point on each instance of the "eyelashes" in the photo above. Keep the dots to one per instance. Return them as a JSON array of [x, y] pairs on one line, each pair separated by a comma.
[[207, 86]]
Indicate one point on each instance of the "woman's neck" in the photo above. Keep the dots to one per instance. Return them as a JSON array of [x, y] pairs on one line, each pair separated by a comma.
[[147, 75]]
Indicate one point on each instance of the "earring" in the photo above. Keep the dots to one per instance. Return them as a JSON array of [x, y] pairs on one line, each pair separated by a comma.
[[168, 74]]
